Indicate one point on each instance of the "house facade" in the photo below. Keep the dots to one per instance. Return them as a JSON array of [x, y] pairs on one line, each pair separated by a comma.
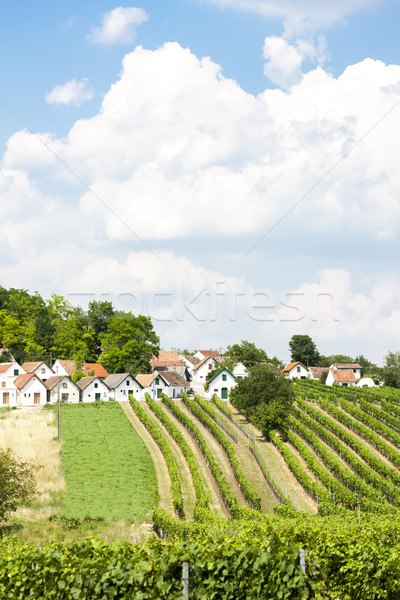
[[355, 367], [201, 370], [296, 370], [93, 389], [176, 384], [222, 383], [61, 387], [122, 385], [9, 394], [31, 391], [342, 377], [160, 385], [40, 369]]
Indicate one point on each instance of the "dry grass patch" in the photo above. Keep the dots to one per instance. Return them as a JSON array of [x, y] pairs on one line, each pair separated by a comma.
[[31, 434]]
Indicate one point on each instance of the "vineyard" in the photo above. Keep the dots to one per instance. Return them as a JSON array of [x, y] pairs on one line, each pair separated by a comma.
[[312, 514]]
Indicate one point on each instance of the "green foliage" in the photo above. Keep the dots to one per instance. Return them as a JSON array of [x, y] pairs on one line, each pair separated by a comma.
[[265, 397], [303, 349], [17, 483], [391, 369], [162, 443], [248, 354], [34, 329], [107, 468]]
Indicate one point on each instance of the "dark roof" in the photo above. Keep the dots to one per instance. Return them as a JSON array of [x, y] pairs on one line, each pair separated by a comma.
[[85, 381], [174, 378], [113, 381], [317, 372], [193, 359]]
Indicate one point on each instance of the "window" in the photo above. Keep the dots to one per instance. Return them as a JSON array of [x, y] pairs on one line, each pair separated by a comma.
[[210, 367], [43, 371], [159, 393], [6, 398], [298, 369], [224, 377], [97, 397], [127, 382], [3, 384], [65, 385], [64, 397], [96, 385], [16, 372]]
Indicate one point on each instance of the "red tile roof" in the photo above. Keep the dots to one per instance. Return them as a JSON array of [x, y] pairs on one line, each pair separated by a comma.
[[343, 376], [202, 362], [293, 364], [21, 381], [207, 353], [4, 367], [98, 369]]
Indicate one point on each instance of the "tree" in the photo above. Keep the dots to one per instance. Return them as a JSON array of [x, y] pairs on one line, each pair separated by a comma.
[[391, 369], [17, 483], [128, 344], [265, 397], [248, 354], [303, 349]]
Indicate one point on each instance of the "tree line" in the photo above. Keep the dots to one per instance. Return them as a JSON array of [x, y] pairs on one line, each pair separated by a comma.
[[34, 329]]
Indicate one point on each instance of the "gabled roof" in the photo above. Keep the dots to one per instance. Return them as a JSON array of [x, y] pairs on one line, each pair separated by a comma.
[[219, 373], [68, 365], [113, 381], [5, 366], [30, 367], [292, 365], [174, 378], [85, 381], [207, 353], [146, 379], [192, 359], [98, 369], [343, 375], [202, 362], [55, 379], [347, 366], [21, 381], [317, 372]]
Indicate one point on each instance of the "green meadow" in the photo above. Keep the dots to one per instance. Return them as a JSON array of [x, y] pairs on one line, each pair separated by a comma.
[[108, 470]]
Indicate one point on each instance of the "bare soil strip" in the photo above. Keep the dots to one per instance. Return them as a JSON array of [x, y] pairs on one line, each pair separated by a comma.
[[217, 504], [163, 479], [219, 455], [185, 477], [275, 461]]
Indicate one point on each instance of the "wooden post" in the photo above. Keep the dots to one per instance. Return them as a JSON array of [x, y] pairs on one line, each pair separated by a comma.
[[185, 579], [303, 560], [58, 413]]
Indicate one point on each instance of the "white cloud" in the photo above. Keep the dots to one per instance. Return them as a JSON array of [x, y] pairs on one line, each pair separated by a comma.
[[301, 16], [71, 93], [118, 26], [284, 60], [175, 139]]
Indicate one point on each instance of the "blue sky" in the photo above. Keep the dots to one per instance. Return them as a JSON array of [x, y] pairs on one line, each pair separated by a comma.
[[226, 166]]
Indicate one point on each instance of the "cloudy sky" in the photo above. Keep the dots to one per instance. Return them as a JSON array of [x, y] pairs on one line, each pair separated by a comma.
[[230, 167]]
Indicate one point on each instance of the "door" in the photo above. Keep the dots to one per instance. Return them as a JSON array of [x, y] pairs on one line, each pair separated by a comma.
[[6, 397], [224, 394], [97, 397], [36, 398], [159, 392]]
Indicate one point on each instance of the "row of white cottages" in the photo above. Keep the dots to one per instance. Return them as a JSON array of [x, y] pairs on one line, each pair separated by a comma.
[[19, 388], [342, 374]]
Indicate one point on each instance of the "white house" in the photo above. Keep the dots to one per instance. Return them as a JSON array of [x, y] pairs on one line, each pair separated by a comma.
[[31, 390], [121, 385], [177, 384], [342, 377], [39, 368], [355, 367], [92, 389], [296, 370], [201, 370], [190, 362], [239, 370], [69, 367], [160, 385], [63, 388], [8, 392], [222, 383]]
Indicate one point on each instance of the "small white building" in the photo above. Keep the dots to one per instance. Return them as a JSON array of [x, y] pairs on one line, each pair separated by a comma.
[[317, 372], [342, 377], [190, 362], [222, 383], [63, 388], [296, 370], [122, 385], [40, 369], [92, 389], [366, 382], [201, 370], [201, 354], [355, 367], [8, 392], [31, 391], [159, 387], [239, 370], [176, 384]]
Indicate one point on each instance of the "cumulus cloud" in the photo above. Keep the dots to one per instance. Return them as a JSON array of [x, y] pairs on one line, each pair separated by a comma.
[[71, 93], [118, 26], [301, 16], [285, 60]]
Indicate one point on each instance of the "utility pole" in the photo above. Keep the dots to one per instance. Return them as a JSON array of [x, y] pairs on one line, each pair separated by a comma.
[[152, 372], [58, 412]]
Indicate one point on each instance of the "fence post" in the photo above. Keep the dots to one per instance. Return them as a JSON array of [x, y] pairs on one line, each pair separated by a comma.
[[303, 560], [185, 579]]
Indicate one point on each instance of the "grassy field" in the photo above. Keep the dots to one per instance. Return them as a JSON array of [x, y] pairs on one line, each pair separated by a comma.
[[108, 470]]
